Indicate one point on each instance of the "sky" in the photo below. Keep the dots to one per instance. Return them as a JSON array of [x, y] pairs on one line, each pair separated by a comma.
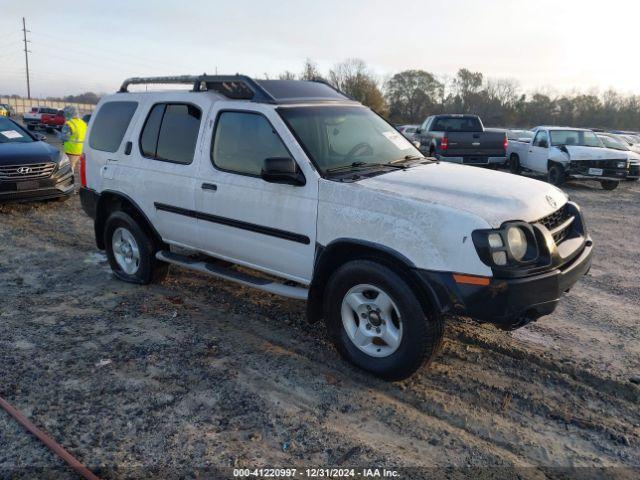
[[92, 45]]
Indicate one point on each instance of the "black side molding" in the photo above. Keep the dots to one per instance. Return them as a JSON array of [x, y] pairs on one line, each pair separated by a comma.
[[230, 222]]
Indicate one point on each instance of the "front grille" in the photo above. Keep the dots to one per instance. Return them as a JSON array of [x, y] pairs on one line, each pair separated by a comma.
[[558, 223], [16, 173]]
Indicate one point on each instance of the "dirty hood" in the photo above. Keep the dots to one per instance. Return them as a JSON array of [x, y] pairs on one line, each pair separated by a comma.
[[494, 196], [592, 153]]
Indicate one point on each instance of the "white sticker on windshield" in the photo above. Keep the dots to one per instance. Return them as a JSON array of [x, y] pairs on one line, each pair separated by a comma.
[[11, 134], [398, 140]]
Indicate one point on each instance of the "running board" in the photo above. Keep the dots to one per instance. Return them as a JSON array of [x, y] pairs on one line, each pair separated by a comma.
[[211, 268]]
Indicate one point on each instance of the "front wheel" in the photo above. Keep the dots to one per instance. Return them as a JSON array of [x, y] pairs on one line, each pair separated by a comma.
[[609, 184], [556, 174], [377, 322], [130, 251]]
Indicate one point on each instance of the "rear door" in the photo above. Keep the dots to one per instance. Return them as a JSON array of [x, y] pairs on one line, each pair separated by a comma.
[[166, 146], [243, 218]]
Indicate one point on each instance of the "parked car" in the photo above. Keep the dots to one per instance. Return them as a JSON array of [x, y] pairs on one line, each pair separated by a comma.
[[614, 142], [33, 118], [51, 121], [30, 169], [461, 139], [5, 110], [408, 131], [294, 180], [564, 153]]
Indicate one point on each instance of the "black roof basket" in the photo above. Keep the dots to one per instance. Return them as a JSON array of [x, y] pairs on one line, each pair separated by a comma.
[[241, 87]]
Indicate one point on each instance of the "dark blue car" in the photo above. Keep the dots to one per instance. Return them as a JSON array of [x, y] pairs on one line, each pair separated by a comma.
[[31, 169]]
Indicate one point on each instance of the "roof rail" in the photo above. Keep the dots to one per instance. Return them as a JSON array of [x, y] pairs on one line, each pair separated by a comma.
[[237, 87]]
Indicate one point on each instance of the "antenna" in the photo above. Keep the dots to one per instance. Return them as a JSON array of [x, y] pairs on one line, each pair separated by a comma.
[[26, 55]]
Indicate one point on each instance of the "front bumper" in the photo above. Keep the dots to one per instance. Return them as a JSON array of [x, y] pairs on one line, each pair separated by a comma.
[[585, 170], [58, 185], [508, 303]]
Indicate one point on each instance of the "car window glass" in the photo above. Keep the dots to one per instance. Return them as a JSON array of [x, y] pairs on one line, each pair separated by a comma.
[[540, 140], [178, 133], [110, 125], [242, 141], [150, 131]]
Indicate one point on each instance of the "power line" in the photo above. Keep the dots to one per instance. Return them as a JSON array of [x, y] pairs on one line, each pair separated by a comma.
[[26, 56]]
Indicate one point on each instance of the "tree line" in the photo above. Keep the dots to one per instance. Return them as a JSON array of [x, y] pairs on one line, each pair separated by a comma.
[[412, 95]]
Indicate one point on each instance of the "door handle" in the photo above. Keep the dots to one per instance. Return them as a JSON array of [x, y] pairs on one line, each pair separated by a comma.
[[209, 186]]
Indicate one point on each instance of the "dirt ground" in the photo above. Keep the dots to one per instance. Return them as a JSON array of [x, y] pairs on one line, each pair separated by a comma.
[[172, 380]]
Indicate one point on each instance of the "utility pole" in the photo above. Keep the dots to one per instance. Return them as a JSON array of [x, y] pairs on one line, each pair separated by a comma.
[[26, 56]]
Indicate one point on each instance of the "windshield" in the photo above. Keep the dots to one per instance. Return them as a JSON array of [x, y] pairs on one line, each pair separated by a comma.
[[11, 132], [583, 138], [339, 136], [611, 142]]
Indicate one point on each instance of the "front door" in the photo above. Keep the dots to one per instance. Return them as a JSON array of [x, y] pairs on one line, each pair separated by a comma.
[[243, 218], [538, 153]]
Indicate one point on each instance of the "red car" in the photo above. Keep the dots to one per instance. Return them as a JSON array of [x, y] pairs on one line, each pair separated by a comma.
[[52, 121]]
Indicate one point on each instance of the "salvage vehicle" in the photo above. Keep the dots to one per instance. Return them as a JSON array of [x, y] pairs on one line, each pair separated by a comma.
[[563, 153], [292, 188], [5, 110], [614, 142], [31, 169], [52, 121], [461, 139], [33, 118], [408, 131]]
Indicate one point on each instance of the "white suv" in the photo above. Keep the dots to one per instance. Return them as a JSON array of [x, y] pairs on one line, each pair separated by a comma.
[[295, 189]]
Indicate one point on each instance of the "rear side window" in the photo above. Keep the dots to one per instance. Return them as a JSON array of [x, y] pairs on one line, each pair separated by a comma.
[[110, 125], [242, 141], [456, 124], [170, 132]]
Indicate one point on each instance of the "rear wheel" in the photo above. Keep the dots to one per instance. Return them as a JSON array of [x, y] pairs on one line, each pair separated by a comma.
[[377, 322], [609, 184], [556, 174], [130, 251], [514, 164]]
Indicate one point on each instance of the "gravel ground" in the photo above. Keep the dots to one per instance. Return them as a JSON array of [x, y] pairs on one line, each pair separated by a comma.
[[171, 380]]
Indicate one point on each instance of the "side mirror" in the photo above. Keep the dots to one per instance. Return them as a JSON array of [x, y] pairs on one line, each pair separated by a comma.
[[282, 170], [418, 131], [544, 144]]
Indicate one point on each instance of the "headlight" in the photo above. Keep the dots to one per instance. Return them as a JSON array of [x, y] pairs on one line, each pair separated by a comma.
[[64, 160], [517, 242], [510, 246], [622, 164]]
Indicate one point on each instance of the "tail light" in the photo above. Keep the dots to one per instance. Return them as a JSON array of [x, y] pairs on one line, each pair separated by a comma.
[[506, 143], [83, 170], [444, 143]]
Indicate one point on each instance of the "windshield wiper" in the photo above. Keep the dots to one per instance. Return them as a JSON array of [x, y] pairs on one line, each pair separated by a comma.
[[360, 165], [406, 158]]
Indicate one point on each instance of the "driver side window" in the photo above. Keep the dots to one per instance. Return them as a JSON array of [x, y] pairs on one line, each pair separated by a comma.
[[541, 140]]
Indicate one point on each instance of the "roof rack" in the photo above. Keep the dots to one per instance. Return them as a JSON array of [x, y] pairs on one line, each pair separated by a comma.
[[241, 87], [237, 87]]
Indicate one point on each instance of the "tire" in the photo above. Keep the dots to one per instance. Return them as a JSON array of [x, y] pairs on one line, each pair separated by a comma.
[[417, 335], [136, 262], [609, 184], [514, 164], [556, 174]]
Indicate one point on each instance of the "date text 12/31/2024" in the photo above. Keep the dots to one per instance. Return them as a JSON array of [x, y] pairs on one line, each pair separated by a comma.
[[314, 473]]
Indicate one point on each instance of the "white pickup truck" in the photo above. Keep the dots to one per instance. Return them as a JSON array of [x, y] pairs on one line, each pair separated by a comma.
[[292, 188], [563, 153]]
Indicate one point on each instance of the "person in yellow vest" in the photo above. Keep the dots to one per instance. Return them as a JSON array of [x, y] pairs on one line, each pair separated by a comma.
[[73, 136]]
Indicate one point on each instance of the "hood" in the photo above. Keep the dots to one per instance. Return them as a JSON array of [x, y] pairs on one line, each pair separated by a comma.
[[593, 153], [493, 196], [24, 153]]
